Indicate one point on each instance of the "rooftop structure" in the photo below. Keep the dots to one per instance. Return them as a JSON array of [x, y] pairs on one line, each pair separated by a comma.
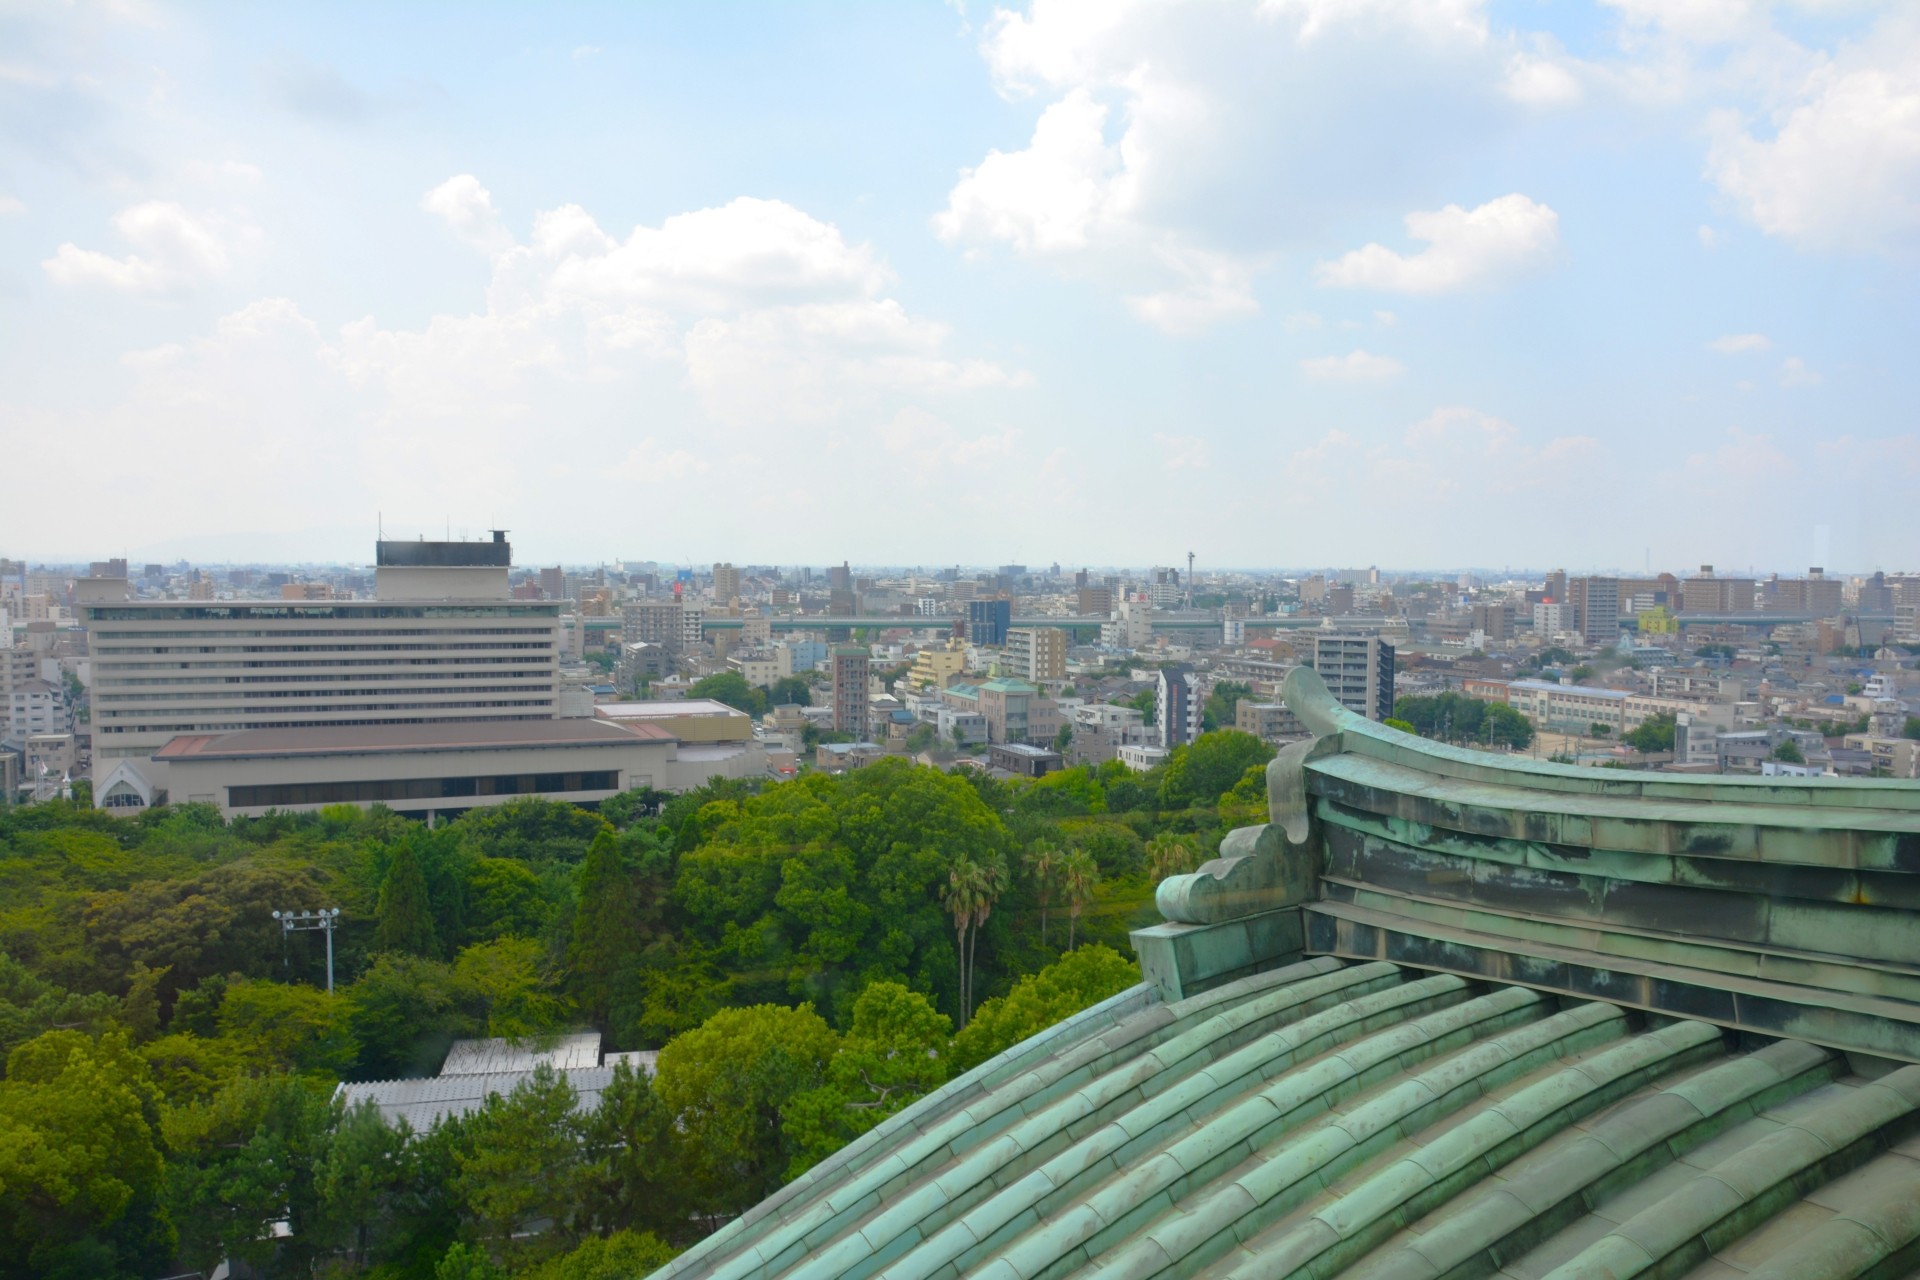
[[1447, 1014]]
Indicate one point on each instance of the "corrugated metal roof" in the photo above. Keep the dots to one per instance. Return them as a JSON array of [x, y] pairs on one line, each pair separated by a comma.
[[479, 1057], [421, 1102]]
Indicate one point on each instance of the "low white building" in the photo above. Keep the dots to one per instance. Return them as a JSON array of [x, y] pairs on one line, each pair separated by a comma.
[[437, 770], [1141, 756]]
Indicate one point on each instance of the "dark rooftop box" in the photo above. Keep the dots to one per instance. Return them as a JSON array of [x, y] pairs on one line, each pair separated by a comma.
[[447, 555]]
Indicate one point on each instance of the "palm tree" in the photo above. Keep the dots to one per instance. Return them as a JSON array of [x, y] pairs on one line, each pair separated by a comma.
[[1043, 865], [1078, 875], [961, 897], [990, 883], [1168, 855]]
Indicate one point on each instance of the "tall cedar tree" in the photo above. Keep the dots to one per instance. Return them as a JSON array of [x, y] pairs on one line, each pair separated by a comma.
[[406, 917], [606, 928]]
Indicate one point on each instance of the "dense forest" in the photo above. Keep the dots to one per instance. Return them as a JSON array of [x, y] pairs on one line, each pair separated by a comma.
[[809, 956]]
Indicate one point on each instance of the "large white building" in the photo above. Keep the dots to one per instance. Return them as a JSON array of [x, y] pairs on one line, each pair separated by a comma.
[[441, 642]]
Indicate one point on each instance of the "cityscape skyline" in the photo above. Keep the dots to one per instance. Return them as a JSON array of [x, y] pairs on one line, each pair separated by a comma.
[[1597, 279]]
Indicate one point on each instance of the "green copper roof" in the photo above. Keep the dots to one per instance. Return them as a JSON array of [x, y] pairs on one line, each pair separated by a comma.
[[1360, 1119]]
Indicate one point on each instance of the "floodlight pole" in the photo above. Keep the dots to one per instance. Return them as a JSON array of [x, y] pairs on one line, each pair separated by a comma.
[[327, 919]]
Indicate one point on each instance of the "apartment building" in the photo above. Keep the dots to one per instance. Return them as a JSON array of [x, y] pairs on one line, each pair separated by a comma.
[[937, 666], [851, 670], [1596, 609], [1177, 703], [1814, 594], [1018, 712], [726, 583], [1037, 653], [652, 622], [1132, 624], [1705, 593], [440, 642], [1268, 721], [1493, 619], [1358, 671], [33, 707]]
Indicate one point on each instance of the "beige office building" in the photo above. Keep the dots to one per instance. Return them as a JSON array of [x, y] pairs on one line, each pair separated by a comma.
[[441, 642]]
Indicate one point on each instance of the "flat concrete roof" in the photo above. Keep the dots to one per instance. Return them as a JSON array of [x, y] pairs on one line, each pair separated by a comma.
[[359, 739], [669, 710]]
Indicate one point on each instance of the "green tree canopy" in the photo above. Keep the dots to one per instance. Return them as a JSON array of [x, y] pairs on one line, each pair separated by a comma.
[[1072, 983], [79, 1154], [1199, 774], [405, 920], [898, 1049], [790, 691], [730, 1082], [607, 940], [1221, 706], [1655, 733], [520, 1161], [731, 688]]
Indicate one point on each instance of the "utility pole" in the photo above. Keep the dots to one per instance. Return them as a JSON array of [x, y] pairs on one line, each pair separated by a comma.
[[326, 920]]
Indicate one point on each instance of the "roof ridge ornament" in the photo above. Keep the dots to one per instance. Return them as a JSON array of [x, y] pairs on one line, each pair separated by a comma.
[[1275, 864]]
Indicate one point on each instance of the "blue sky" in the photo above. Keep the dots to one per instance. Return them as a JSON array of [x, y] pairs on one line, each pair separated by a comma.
[[1422, 283]]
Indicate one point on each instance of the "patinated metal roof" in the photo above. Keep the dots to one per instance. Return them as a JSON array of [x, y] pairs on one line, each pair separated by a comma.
[[1335, 1118]]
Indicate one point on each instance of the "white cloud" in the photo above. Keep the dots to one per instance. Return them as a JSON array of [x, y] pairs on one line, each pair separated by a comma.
[[1840, 167], [1735, 343], [467, 209], [1466, 248], [1794, 373], [1053, 196], [747, 252], [1302, 322], [1215, 287], [812, 363], [928, 444], [648, 463], [1183, 453], [1709, 238], [587, 51], [173, 251], [1462, 20], [1181, 150], [11, 205], [1541, 80], [1355, 366], [752, 315]]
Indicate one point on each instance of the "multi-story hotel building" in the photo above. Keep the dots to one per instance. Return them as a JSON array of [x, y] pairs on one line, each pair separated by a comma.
[[441, 642]]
